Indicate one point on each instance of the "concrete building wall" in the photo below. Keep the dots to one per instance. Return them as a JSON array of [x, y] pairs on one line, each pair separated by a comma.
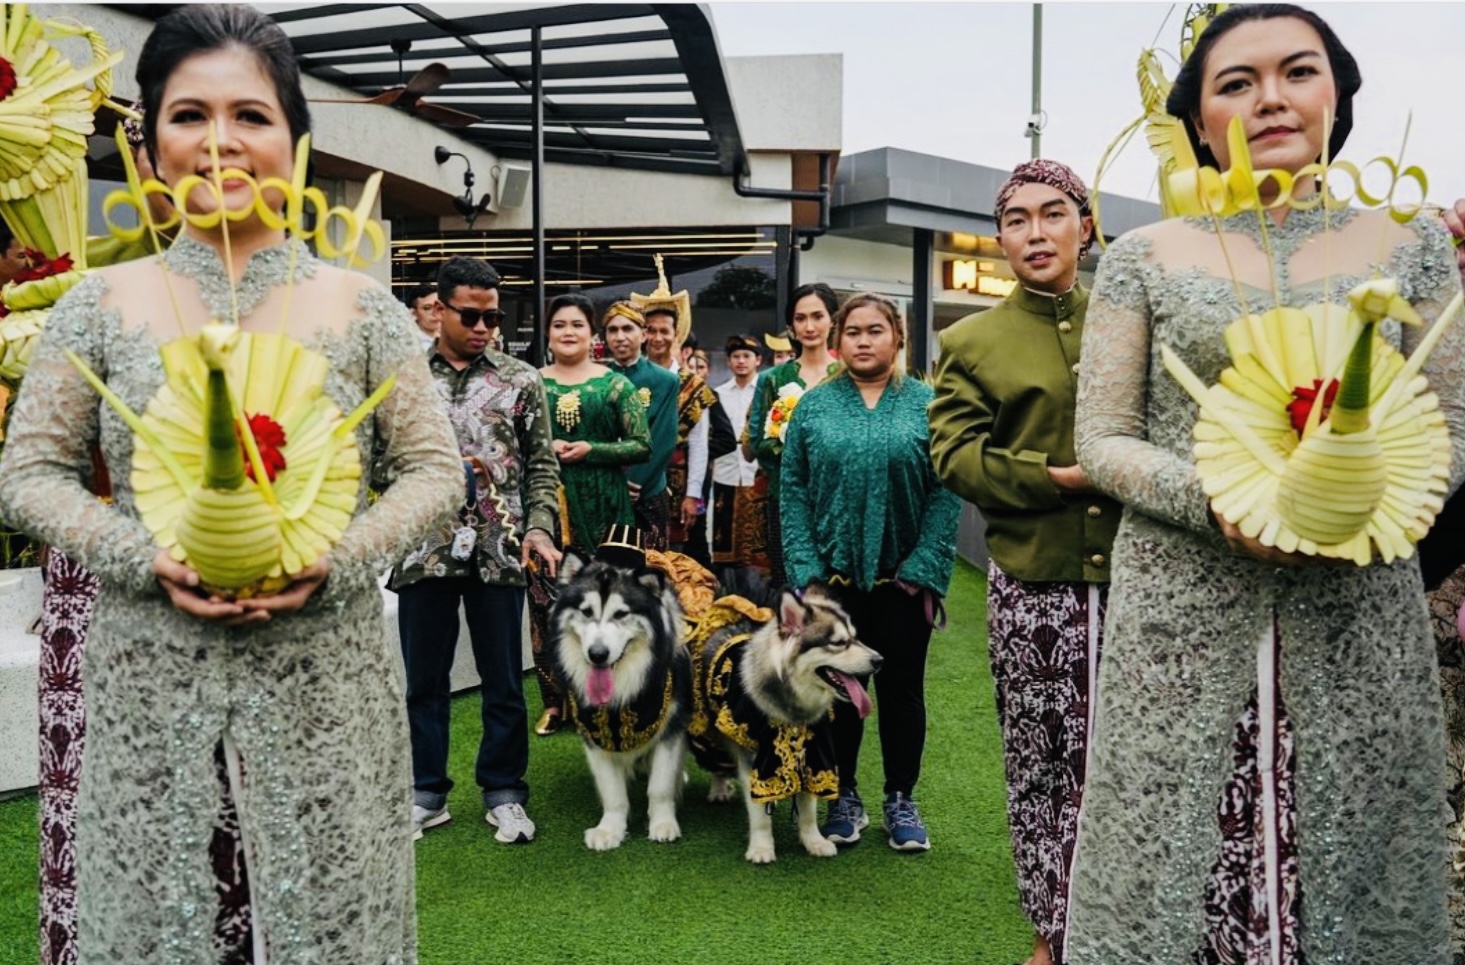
[[788, 103], [584, 196], [377, 138]]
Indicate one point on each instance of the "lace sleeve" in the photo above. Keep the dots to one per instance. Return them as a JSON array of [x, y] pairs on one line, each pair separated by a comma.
[[634, 444], [764, 450], [934, 557], [1429, 276], [48, 450], [1113, 389], [414, 440]]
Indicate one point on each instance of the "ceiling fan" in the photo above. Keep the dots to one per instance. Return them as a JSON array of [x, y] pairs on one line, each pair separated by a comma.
[[409, 96]]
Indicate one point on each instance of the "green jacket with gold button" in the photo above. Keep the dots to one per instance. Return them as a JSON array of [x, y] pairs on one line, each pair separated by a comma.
[[1006, 386]]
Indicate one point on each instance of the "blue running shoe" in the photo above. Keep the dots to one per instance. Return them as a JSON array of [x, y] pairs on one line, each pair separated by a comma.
[[846, 819], [903, 824]]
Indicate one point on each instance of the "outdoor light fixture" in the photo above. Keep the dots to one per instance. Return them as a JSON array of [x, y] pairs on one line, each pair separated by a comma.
[[464, 203]]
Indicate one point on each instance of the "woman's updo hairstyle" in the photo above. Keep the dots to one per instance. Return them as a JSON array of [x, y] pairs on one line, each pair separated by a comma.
[[1185, 97], [201, 28]]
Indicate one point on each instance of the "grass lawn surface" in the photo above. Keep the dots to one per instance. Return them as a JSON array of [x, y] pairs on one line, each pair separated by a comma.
[[697, 900]]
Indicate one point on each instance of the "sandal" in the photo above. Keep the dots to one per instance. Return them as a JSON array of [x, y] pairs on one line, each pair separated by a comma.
[[549, 722]]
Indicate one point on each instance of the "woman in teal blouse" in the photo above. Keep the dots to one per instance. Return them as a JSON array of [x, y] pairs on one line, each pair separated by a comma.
[[811, 323], [862, 508], [599, 426]]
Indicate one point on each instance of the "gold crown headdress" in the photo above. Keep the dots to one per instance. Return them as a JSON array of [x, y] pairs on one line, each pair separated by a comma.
[[662, 297]]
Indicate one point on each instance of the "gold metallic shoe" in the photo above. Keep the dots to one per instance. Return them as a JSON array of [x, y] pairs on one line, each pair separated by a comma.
[[549, 722]]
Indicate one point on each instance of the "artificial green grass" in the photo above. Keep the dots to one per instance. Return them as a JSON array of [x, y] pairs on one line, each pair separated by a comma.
[[697, 900]]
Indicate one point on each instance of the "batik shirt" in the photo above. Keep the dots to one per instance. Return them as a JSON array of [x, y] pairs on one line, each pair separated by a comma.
[[499, 412]]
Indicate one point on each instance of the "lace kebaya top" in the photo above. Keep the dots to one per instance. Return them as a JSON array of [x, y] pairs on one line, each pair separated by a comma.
[[311, 704], [1356, 665]]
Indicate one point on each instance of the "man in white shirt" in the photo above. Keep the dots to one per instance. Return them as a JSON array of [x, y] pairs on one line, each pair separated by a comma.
[[737, 531], [427, 312]]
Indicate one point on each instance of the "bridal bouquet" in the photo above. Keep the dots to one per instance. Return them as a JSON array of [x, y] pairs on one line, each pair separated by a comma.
[[781, 411]]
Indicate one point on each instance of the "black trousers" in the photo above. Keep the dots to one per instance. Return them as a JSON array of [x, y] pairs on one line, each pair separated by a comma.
[[893, 624], [427, 616]]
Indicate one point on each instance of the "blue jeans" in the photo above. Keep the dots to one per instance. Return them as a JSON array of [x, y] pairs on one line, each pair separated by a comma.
[[427, 615]]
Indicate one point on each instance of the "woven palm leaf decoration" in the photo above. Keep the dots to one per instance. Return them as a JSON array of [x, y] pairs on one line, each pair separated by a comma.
[[1320, 438], [1164, 133], [244, 468], [47, 111]]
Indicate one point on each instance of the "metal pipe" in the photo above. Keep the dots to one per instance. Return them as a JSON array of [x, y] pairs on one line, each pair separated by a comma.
[[1035, 125], [823, 195], [825, 189], [540, 330]]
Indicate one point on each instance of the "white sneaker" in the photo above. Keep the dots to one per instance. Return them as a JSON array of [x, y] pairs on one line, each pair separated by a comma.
[[425, 818], [514, 826]]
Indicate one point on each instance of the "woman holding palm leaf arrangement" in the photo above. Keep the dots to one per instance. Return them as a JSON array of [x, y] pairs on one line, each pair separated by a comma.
[[1264, 778], [296, 685]]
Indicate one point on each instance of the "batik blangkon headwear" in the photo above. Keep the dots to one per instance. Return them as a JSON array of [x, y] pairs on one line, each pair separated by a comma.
[[1055, 174]]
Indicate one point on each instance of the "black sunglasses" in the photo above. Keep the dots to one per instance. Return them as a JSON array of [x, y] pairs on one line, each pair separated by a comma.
[[472, 316]]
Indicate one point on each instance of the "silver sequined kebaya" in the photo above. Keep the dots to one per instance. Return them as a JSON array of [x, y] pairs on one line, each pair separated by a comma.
[[312, 702], [1354, 655]]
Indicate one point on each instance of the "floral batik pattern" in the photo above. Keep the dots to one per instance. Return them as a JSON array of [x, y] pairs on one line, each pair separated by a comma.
[[1038, 635], [1239, 922], [1444, 611], [66, 612]]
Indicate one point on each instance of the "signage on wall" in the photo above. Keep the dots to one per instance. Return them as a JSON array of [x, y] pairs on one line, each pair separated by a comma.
[[974, 276]]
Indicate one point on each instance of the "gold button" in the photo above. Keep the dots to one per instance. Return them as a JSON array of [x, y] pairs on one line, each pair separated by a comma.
[[1097, 559], [1065, 327], [1075, 368], [1095, 511]]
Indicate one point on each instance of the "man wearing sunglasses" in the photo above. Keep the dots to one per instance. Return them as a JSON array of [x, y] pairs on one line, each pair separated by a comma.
[[511, 478]]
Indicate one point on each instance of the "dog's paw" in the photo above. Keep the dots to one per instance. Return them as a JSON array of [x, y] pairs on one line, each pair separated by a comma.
[[723, 789], [760, 853], [665, 829], [820, 847], [603, 839]]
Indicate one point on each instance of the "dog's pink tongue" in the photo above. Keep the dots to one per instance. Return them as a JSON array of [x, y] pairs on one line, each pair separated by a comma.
[[600, 682], [857, 694]]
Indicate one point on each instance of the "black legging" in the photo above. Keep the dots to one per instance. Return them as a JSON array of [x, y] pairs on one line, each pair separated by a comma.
[[893, 624]]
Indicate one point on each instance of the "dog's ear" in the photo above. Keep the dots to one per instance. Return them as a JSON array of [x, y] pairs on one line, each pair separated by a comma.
[[791, 614], [570, 566], [819, 590], [653, 580]]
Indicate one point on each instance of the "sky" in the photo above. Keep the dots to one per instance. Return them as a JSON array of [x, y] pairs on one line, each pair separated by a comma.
[[954, 79]]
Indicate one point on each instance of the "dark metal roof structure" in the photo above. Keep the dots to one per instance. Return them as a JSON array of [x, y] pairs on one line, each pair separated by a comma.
[[625, 84]]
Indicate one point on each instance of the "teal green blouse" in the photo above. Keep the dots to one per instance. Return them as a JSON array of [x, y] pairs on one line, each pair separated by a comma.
[[860, 497], [769, 452]]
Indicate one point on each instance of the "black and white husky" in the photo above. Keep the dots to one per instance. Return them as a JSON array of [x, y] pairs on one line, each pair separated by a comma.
[[628, 680], [765, 689]]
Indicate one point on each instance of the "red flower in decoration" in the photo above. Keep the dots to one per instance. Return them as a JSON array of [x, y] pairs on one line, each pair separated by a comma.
[[1303, 399], [39, 266], [269, 436], [7, 79]]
